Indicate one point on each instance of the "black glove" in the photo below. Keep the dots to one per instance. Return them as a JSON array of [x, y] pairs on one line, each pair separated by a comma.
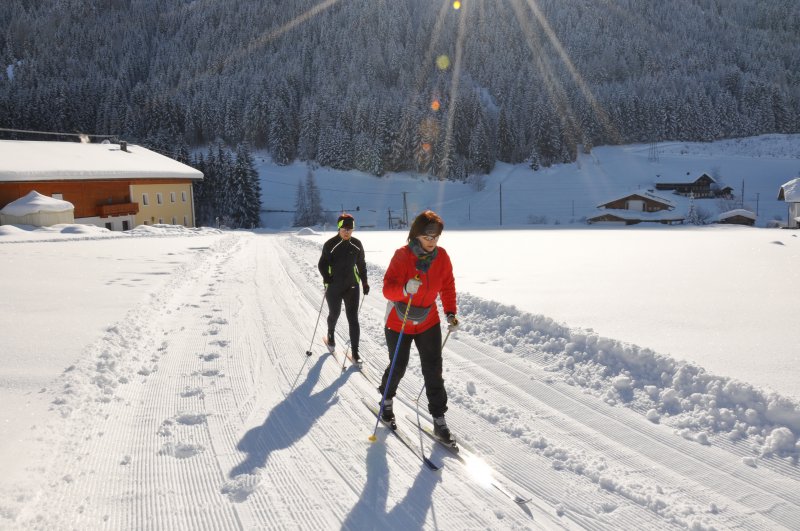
[[365, 288], [452, 322]]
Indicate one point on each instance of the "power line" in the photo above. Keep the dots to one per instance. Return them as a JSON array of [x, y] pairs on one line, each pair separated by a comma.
[[329, 189]]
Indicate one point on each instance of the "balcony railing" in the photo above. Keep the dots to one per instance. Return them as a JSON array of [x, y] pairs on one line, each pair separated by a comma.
[[118, 209]]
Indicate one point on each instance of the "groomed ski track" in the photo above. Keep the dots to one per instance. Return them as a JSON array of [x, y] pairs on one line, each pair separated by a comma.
[[200, 411]]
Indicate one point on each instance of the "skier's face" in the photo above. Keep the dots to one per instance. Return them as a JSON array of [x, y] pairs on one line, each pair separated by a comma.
[[345, 233], [428, 242]]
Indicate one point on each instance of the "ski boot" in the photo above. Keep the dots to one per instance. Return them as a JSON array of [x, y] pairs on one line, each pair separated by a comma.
[[330, 342], [388, 414], [442, 432]]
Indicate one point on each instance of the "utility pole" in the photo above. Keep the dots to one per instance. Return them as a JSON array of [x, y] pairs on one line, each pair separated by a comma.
[[742, 201], [501, 204], [758, 194], [405, 209], [390, 218]]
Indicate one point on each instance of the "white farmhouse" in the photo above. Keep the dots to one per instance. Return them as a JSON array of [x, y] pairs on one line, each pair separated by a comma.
[[790, 192]]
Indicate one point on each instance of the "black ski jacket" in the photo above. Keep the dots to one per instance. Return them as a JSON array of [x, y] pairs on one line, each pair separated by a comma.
[[342, 263]]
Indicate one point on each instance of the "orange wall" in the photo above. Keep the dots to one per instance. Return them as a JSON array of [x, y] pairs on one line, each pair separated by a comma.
[[84, 195]]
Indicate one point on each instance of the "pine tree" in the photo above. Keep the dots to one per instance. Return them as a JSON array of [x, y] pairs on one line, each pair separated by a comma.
[[505, 139], [245, 191], [314, 203], [479, 155]]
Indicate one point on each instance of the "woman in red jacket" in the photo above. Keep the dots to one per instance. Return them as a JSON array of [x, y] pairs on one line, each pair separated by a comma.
[[420, 272]]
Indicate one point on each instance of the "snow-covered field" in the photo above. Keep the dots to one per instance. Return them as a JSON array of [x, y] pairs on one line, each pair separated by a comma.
[[160, 382], [622, 378]]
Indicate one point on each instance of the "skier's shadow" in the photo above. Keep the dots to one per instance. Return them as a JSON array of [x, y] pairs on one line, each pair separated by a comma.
[[289, 421], [371, 512]]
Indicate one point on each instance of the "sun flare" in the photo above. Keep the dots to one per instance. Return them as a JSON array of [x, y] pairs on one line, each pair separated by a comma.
[[479, 470]]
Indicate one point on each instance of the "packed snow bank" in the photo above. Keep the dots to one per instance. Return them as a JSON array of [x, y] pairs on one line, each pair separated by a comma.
[[675, 393], [76, 231]]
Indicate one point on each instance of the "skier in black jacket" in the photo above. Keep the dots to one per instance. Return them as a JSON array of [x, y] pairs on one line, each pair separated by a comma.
[[343, 266]]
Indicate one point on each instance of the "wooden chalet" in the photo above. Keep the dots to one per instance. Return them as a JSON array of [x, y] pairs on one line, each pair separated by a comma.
[[637, 207], [117, 186], [699, 187], [737, 216]]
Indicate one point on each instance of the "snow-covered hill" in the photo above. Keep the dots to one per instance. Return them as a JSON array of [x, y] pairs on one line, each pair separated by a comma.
[[564, 194]]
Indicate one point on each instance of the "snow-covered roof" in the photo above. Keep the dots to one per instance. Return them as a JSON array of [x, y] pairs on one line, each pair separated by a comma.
[[790, 192], [22, 160], [684, 179], [633, 215], [644, 194], [35, 202], [737, 212]]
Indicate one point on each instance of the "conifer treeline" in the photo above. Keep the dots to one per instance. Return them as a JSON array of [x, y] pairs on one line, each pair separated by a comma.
[[403, 85], [230, 192]]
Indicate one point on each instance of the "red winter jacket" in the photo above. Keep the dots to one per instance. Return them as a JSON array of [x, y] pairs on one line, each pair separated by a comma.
[[438, 281]]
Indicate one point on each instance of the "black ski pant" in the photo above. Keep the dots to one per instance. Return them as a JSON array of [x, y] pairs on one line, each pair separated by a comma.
[[349, 296], [429, 346]]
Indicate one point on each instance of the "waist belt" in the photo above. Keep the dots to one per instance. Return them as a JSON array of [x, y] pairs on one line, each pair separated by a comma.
[[416, 314]]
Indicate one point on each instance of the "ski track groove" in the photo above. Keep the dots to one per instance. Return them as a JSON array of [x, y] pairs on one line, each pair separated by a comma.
[[342, 434], [510, 374], [684, 457], [375, 358]]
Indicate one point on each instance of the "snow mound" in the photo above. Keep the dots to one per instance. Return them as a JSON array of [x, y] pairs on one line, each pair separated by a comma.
[[35, 202], [684, 396]]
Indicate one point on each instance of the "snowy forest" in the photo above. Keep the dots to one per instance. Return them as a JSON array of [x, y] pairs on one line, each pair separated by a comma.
[[404, 85]]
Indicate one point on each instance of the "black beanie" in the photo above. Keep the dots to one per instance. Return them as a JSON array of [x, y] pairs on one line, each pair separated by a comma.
[[345, 221]]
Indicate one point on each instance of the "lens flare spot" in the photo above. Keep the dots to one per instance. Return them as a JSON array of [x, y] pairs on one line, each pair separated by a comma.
[[479, 470], [456, 5], [426, 147], [435, 105], [443, 62]]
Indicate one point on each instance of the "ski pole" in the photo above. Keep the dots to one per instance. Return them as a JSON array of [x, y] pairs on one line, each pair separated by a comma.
[[308, 352], [344, 360], [373, 437]]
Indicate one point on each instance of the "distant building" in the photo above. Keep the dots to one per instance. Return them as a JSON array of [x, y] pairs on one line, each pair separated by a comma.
[[117, 186], [637, 207], [790, 192], [737, 216], [700, 187]]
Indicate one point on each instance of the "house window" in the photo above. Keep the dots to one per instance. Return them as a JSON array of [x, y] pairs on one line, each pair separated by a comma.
[[160, 221], [172, 197], [58, 196], [185, 221], [110, 226], [145, 202], [126, 225], [159, 198], [174, 220], [183, 196]]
